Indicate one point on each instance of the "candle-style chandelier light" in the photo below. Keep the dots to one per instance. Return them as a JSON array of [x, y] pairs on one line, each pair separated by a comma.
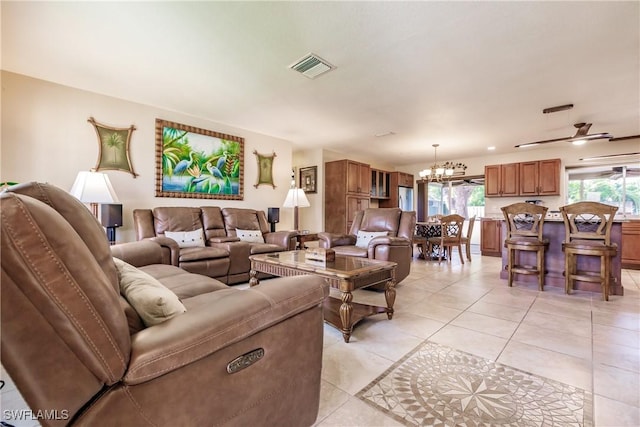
[[442, 172]]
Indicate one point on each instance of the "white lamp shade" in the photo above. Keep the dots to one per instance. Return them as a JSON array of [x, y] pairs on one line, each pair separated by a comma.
[[94, 187], [296, 197]]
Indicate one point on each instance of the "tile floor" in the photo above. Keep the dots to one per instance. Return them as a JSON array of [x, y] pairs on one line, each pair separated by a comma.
[[575, 339]]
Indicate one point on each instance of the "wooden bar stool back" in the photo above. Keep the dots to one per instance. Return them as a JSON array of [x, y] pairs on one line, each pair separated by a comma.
[[588, 233], [524, 233], [450, 236]]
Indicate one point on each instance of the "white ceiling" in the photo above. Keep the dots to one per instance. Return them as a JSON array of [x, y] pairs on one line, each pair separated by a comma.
[[466, 75]]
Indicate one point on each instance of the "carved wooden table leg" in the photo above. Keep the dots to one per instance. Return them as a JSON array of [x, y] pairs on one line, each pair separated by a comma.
[[345, 315], [253, 278], [390, 296]]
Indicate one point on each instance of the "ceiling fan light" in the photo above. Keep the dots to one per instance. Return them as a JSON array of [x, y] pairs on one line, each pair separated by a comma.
[[579, 142]]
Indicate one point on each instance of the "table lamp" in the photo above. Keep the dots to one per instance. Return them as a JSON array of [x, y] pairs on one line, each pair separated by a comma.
[[93, 188], [296, 199]]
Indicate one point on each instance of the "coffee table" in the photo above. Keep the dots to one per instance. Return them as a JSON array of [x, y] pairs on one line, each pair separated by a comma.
[[345, 274]]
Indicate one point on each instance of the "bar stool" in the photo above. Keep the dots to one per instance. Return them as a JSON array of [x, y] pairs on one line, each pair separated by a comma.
[[524, 233], [588, 232]]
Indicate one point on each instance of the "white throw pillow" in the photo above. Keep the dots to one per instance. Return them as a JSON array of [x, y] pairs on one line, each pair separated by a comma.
[[187, 239], [153, 302], [251, 236], [364, 237]]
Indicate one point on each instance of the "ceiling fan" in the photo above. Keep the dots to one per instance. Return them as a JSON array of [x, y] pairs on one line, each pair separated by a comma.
[[580, 137]]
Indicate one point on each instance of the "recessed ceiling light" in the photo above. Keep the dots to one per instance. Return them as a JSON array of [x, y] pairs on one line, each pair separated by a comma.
[[491, 148]]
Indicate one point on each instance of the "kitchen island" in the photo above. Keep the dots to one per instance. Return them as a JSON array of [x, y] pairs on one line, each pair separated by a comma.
[[554, 259]]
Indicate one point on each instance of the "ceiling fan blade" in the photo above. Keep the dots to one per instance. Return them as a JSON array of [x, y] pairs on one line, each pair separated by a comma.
[[546, 141], [624, 138]]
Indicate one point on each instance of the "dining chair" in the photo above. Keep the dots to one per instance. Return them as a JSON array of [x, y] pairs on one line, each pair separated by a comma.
[[524, 234], [421, 244], [588, 233], [466, 239], [450, 237]]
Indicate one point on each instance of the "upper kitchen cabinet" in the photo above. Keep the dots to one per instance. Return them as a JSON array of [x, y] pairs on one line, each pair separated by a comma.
[[358, 178], [502, 180], [379, 184], [540, 178]]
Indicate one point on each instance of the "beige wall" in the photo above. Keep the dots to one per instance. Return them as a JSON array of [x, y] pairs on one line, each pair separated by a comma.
[[46, 137]]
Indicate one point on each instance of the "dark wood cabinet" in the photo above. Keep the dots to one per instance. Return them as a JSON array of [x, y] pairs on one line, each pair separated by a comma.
[[540, 178], [630, 245], [491, 237], [502, 180], [347, 185], [396, 179]]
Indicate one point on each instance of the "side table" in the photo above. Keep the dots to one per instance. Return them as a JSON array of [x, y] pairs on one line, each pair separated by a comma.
[[303, 238]]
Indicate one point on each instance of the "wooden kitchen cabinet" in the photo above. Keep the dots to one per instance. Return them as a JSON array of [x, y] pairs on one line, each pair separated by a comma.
[[502, 180], [358, 177], [347, 185], [405, 179], [631, 244], [355, 204], [379, 184], [540, 178], [491, 237]]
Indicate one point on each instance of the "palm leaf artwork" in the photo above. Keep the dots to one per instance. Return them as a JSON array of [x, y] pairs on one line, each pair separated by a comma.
[[192, 163], [114, 147]]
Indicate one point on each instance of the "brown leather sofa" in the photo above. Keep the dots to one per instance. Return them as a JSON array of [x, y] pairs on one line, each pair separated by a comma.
[[395, 246], [72, 346], [224, 256]]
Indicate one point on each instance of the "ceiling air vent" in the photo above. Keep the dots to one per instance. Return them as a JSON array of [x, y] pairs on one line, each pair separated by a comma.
[[311, 66]]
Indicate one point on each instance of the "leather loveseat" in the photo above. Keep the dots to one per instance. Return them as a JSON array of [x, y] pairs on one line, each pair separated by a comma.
[[394, 230], [78, 355], [222, 255]]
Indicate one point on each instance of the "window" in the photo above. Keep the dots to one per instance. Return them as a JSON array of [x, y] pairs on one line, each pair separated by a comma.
[[464, 197], [606, 184]]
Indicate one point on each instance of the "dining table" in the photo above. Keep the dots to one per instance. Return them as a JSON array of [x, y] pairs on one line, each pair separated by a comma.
[[425, 230]]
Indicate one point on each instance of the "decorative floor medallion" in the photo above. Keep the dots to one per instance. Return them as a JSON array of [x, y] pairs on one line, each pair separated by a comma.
[[435, 385]]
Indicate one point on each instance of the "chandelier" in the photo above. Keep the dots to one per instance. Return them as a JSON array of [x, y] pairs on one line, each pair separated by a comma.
[[441, 172]]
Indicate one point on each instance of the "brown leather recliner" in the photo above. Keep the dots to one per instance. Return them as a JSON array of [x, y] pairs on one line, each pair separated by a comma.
[[396, 246], [67, 345]]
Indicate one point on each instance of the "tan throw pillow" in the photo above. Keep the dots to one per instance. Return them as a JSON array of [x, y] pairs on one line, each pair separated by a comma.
[[364, 237], [153, 302], [251, 236], [187, 239]]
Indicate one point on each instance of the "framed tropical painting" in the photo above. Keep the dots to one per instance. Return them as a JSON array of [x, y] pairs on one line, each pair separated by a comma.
[[198, 163], [114, 147]]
